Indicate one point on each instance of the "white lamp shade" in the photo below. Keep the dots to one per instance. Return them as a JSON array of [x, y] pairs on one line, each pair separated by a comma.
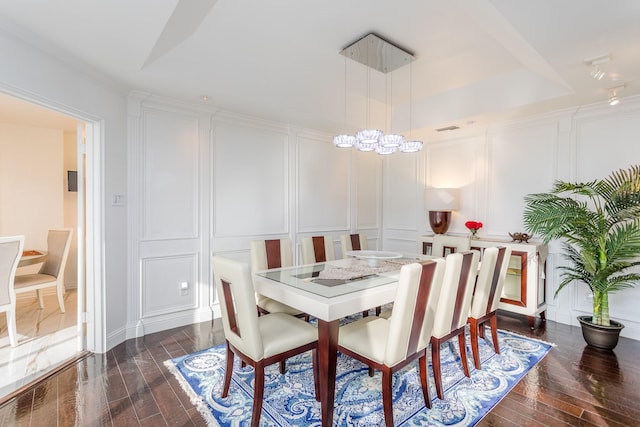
[[441, 199]]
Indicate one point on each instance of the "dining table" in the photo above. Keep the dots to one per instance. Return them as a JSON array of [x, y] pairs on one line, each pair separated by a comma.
[[330, 291], [31, 257]]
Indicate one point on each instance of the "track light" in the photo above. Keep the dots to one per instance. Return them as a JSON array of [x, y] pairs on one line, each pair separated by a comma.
[[613, 95], [596, 72]]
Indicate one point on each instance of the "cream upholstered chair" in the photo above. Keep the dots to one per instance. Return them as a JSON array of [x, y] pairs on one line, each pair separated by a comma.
[[265, 255], [317, 249], [444, 245], [486, 297], [390, 344], [258, 341], [51, 273], [453, 309], [10, 253], [353, 242]]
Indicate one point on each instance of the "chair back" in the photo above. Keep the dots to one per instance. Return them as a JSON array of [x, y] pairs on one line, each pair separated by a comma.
[[408, 326], [58, 244], [234, 288], [10, 253], [317, 249], [444, 245], [456, 292], [353, 242], [268, 254], [490, 281]]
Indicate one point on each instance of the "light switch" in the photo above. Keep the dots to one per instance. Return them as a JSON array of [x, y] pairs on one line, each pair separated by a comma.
[[118, 200]]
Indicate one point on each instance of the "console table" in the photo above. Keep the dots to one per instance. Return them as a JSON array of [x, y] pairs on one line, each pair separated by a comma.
[[525, 285]]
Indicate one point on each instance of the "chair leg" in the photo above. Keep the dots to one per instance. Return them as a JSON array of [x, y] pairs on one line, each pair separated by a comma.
[[282, 367], [60, 292], [365, 313], [473, 329], [11, 327], [372, 371], [228, 370], [258, 394], [463, 353], [387, 399], [316, 373], [437, 369], [424, 380], [494, 332], [40, 300], [378, 310]]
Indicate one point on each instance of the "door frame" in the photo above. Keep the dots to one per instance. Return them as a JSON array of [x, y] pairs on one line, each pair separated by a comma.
[[93, 313]]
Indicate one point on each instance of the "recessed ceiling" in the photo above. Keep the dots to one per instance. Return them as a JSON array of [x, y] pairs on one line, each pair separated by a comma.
[[474, 61]]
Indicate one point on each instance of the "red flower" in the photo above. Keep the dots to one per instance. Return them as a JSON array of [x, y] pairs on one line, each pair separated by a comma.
[[473, 225]]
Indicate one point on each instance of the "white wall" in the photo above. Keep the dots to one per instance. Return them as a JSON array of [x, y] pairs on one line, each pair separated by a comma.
[[496, 167], [207, 182], [258, 180]]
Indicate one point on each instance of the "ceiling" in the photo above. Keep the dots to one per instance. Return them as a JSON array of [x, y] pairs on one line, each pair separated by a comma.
[[475, 61]]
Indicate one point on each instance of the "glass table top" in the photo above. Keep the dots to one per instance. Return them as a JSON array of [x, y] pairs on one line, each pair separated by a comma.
[[337, 278]]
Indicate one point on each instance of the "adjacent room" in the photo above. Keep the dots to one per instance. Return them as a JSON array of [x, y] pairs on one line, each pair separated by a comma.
[[336, 213]]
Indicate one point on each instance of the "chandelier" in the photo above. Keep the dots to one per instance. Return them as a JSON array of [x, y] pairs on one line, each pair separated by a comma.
[[380, 55]]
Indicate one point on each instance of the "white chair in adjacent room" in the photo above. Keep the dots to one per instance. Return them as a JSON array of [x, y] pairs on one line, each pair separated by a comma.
[[51, 273], [390, 344], [258, 341], [444, 245], [317, 249], [10, 253], [453, 309], [268, 254], [484, 306]]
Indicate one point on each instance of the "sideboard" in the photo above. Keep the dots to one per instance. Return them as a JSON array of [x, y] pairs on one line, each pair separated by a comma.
[[525, 285]]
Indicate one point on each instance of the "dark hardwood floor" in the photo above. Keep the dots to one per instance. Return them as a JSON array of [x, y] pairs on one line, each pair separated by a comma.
[[129, 386]]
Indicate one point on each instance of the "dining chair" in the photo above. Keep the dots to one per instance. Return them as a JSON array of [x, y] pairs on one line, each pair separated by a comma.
[[453, 309], [353, 242], [317, 249], [10, 253], [391, 344], [486, 297], [265, 255], [51, 273], [444, 245], [258, 341]]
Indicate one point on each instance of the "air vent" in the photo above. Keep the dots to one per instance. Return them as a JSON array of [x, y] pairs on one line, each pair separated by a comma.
[[447, 128]]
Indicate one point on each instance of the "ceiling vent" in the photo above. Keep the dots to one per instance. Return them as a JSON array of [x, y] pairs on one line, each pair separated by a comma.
[[447, 128]]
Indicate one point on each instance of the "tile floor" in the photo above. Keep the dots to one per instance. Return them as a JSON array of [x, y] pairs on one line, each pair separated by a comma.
[[46, 338]]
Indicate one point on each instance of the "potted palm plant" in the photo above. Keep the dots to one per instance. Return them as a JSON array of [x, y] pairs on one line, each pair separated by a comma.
[[600, 224]]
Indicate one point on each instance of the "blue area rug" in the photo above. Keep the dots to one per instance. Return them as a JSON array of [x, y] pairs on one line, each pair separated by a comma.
[[289, 399]]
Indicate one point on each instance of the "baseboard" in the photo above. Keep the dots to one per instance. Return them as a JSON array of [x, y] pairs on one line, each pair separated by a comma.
[[168, 321]]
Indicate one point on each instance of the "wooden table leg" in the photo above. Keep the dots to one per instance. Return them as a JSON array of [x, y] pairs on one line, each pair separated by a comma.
[[327, 359]]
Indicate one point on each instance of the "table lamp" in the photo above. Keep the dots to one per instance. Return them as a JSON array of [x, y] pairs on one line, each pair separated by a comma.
[[440, 202]]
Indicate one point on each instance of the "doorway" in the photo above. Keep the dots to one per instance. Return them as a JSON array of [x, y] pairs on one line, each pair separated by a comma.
[[44, 347]]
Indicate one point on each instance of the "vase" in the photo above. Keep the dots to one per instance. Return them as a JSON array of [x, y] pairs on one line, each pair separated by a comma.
[[598, 336], [474, 234]]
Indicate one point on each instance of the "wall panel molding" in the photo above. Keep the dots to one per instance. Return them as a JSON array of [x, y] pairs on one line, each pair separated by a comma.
[[170, 175]]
